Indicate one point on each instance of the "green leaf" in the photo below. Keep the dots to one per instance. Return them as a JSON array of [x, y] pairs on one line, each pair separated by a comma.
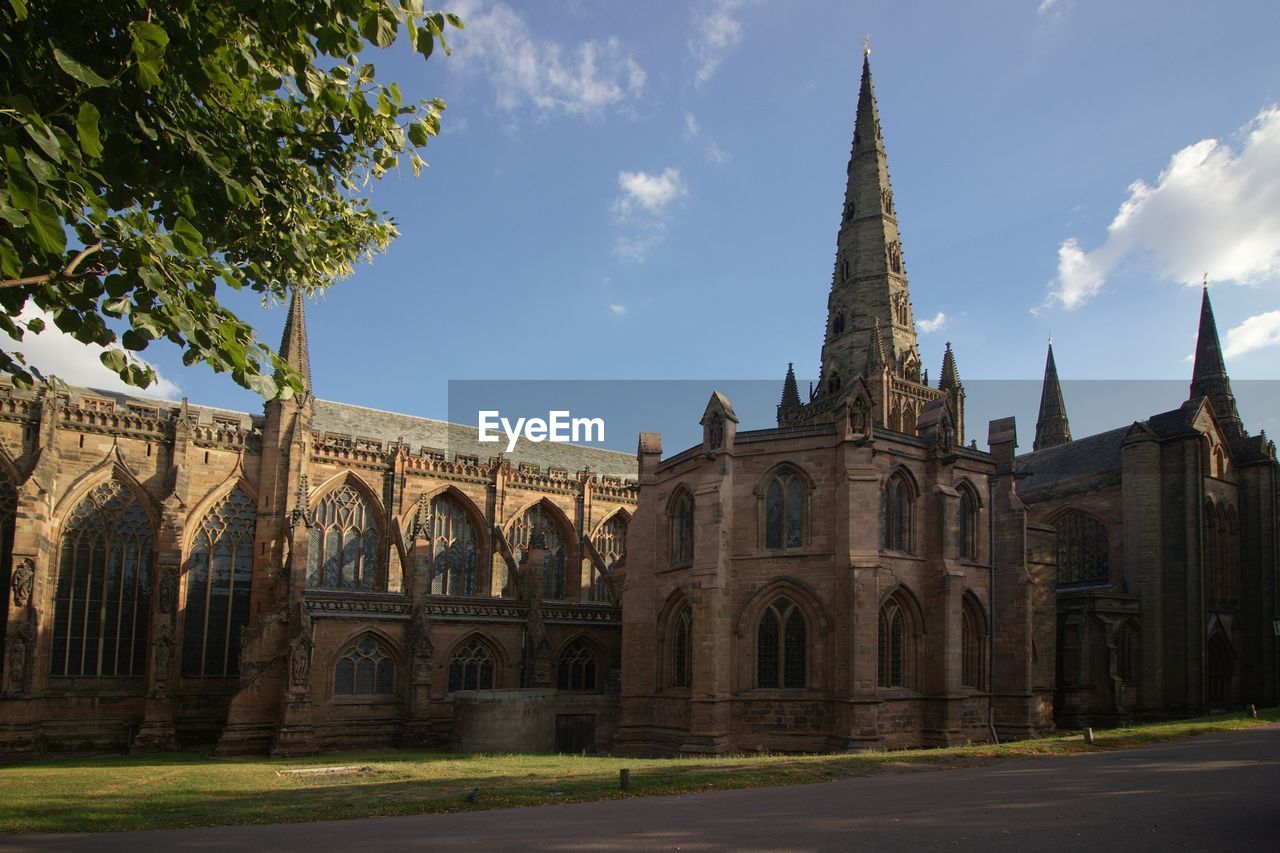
[[149, 43], [418, 134], [187, 239], [19, 9], [35, 325], [46, 227], [87, 130], [425, 43], [42, 136], [454, 21], [22, 190], [43, 170], [80, 71], [379, 26], [115, 360]]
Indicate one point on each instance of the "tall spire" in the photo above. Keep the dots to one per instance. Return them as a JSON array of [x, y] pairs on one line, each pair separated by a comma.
[[875, 349], [1209, 376], [293, 342], [870, 283], [790, 393], [1052, 428]]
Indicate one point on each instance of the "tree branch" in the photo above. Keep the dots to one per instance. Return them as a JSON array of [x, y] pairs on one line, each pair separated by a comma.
[[67, 274]]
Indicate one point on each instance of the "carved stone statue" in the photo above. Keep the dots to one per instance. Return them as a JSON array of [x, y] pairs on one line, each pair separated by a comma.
[[21, 639], [168, 589], [22, 581], [164, 653], [858, 415], [300, 648]]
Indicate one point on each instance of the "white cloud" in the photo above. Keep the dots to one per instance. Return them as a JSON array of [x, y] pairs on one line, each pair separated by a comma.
[[643, 209], [1212, 209], [618, 310], [716, 154], [927, 327], [55, 353], [526, 70], [1258, 331], [716, 31], [650, 193], [691, 129], [1045, 6]]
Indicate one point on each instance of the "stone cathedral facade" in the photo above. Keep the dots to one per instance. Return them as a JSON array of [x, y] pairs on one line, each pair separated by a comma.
[[318, 576], [322, 575]]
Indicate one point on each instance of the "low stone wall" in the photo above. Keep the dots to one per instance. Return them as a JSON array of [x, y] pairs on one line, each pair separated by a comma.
[[504, 720]]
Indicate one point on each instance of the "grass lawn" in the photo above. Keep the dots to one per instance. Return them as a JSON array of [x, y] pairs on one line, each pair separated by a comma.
[[185, 789]]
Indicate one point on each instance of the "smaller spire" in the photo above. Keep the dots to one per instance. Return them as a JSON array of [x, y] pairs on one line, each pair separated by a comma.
[[790, 392], [876, 359], [1209, 375], [1052, 428], [293, 342], [950, 374]]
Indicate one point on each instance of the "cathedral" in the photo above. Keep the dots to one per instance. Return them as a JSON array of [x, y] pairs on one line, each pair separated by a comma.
[[323, 576]]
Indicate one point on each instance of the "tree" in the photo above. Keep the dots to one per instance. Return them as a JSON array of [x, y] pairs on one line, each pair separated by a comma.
[[155, 151]]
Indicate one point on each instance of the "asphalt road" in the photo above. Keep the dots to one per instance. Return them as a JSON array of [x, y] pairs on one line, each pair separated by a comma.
[[1218, 792]]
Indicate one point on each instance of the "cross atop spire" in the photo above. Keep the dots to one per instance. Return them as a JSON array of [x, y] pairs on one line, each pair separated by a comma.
[[293, 342], [1052, 427]]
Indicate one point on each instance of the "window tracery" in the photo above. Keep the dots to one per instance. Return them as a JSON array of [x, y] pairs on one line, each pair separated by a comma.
[[219, 580], [1082, 549], [454, 548], [781, 646], [365, 668], [576, 669], [345, 543]]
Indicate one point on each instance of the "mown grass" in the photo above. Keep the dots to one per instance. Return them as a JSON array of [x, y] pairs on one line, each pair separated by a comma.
[[187, 789]]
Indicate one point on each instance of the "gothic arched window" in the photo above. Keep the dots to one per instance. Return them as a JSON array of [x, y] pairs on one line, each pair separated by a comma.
[[897, 514], [577, 667], [104, 587], [784, 511], [366, 668], [781, 650], [967, 532], [611, 544], [534, 520], [973, 638], [471, 667], [1082, 549], [896, 662], [682, 527], [219, 578], [8, 512], [837, 325], [454, 552], [344, 548], [682, 649]]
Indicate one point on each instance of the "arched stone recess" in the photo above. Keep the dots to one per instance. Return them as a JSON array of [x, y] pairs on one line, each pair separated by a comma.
[[603, 551], [98, 650], [899, 647], [899, 511], [419, 544], [386, 652], [818, 625], [217, 543], [559, 581], [969, 531], [792, 526], [672, 663], [975, 651], [332, 560], [463, 667], [581, 664], [677, 532]]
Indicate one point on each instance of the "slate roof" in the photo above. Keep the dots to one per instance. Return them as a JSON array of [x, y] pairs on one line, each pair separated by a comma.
[[1084, 457], [427, 434]]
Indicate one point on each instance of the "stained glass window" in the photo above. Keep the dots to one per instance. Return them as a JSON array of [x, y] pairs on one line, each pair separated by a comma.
[[893, 666], [219, 578], [366, 668], [344, 551], [682, 528], [1082, 549], [897, 515], [781, 647], [681, 650], [784, 511], [104, 587], [554, 559], [973, 657], [454, 554], [577, 667], [471, 667], [967, 543], [611, 544]]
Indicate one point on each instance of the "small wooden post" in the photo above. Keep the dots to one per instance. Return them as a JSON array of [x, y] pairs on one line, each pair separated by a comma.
[[1088, 735], [624, 779], [1253, 710]]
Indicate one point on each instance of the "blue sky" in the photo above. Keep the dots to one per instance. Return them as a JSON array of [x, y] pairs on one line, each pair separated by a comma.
[[652, 190]]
